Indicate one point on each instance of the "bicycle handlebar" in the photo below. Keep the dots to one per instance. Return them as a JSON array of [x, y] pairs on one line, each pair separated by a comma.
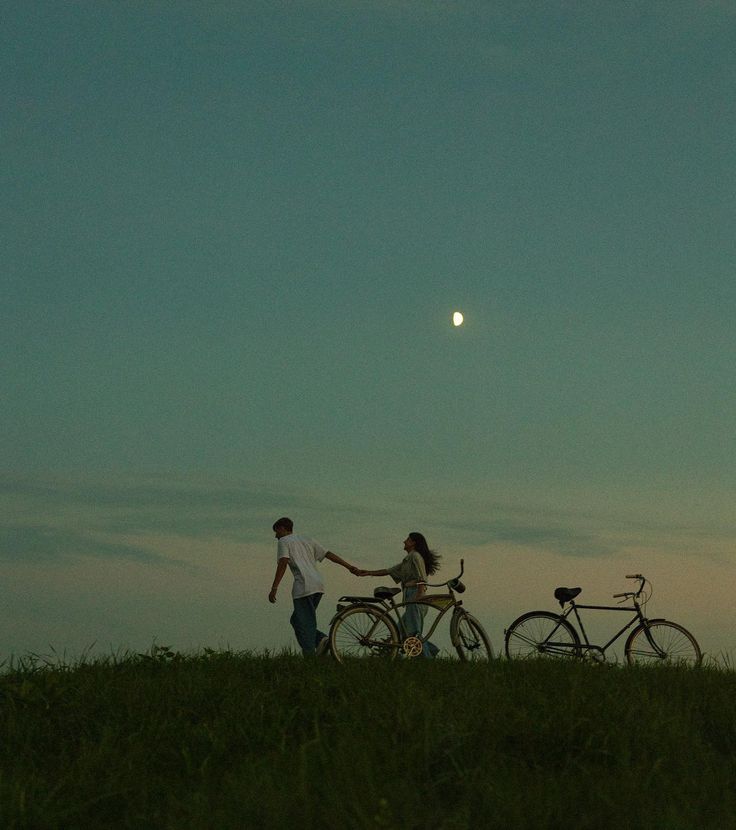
[[634, 594], [447, 582]]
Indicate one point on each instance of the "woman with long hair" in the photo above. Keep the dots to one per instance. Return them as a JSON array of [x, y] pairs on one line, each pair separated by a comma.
[[412, 572]]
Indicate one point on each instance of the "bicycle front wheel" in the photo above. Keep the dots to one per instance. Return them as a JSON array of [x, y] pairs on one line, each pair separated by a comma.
[[362, 631], [662, 643], [470, 639], [541, 634]]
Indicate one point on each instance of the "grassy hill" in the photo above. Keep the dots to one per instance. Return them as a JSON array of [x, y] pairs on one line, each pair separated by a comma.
[[221, 740]]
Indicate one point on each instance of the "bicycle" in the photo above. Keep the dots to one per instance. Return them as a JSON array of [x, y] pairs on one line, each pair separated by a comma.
[[652, 642], [373, 626]]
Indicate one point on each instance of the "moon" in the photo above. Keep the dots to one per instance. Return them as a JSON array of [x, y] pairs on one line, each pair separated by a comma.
[[457, 319]]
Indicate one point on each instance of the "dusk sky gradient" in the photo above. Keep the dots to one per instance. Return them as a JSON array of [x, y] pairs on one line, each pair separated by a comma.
[[233, 236]]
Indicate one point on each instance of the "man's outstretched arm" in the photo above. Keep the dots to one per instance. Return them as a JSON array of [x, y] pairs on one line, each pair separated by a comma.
[[333, 557]]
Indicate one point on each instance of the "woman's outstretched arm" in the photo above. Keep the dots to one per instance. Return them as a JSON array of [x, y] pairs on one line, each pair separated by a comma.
[[382, 572]]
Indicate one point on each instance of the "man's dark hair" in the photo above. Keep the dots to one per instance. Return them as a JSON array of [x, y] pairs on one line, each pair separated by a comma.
[[284, 522]]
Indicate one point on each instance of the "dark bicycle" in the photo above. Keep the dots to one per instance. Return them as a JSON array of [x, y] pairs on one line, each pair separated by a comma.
[[651, 642]]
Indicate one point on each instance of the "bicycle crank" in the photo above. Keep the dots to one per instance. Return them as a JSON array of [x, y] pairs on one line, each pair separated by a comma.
[[412, 646]]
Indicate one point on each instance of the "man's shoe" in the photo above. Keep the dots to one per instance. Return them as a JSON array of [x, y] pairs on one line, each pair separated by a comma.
[[323, 647]]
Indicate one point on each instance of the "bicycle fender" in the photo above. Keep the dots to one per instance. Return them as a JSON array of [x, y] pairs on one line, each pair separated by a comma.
[[534, 614], [646, 622], [351, 605]]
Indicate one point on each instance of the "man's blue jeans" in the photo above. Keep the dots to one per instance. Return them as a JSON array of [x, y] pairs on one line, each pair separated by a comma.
[[304, 622]]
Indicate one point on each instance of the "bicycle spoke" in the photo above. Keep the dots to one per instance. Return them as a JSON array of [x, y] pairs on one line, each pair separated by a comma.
[[471, 641], [352, 627], [663, 643], [362, 632], [524, 638], [541, 634]]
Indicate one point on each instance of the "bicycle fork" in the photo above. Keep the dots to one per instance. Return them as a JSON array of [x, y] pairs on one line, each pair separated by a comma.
[[648, 633]]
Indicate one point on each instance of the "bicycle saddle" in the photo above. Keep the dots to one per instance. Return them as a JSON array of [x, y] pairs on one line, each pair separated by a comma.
[[385, 593], [566, 594]]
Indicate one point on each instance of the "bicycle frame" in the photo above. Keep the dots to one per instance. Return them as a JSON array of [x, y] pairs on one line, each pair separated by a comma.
[[637, 618], [393, 609]]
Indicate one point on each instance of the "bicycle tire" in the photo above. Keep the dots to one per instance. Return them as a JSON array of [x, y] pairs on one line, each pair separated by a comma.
[[529, 635], [675, 645], [362, 631], [470, 639]]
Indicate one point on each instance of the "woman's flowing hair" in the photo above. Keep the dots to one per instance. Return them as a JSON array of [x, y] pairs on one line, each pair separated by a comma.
[[431, 558]]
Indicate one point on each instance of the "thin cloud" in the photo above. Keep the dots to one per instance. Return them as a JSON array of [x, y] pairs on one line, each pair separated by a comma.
[[182, 508], [42, 543], [547, 536], [124, 519]]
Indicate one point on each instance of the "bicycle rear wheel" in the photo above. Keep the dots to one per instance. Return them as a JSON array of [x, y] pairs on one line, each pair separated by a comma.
[[470, 639], [362, 631], [666, 643], [541, 634]]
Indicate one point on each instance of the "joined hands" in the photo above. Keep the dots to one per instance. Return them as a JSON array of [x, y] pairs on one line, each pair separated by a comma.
[[357, 571]]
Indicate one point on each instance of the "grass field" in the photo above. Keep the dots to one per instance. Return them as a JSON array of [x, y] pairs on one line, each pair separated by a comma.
[[220, 740]]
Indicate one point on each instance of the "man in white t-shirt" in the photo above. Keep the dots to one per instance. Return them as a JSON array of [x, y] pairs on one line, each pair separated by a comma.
[[301, 554]]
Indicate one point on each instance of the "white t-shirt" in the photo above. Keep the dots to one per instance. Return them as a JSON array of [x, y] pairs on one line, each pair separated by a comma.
[[303, 554]]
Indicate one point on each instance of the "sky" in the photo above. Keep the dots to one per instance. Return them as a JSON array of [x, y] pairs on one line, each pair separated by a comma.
[[233, 237]]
